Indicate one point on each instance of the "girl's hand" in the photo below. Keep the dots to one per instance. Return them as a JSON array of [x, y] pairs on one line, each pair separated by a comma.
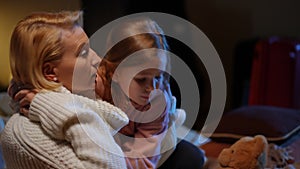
[[14, 87], [24, 98], [172, 99]]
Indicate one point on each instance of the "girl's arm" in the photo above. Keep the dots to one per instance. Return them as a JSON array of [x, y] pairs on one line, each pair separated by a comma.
[[149, 140], [144, 150]]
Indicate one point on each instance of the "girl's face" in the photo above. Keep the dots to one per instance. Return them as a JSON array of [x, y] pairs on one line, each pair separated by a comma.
[[78, 66], [138, 81]]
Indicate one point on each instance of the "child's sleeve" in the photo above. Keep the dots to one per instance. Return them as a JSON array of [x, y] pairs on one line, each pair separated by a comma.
[[145, 148], [143, 151]]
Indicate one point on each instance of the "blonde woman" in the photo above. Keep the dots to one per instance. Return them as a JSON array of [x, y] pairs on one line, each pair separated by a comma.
[[45, 49]]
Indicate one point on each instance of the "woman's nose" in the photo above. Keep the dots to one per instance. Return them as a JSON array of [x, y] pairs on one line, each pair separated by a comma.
[[95, 59]]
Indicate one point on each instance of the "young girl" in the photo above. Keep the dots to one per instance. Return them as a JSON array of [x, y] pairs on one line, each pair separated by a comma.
[[135, 73]]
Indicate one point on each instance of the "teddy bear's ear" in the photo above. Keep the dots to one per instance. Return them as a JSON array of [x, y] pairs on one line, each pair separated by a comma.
[[225, 157], [261, 144]]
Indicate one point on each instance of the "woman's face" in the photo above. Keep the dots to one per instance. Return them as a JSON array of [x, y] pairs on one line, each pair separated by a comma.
[[138, 81], [78, 66]]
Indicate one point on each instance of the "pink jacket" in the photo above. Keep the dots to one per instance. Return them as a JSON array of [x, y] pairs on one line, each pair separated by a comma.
[[141, 139]]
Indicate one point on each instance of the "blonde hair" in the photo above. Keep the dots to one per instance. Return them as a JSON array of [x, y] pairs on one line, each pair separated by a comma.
[[36, 40]]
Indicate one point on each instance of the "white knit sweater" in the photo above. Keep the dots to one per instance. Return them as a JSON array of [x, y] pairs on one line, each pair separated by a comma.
[[69, 135]]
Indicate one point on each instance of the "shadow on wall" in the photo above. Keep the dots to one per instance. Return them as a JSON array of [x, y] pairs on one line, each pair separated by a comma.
[[224, 24]]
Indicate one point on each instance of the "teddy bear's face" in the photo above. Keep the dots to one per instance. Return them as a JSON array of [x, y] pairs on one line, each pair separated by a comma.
[[246, 153]]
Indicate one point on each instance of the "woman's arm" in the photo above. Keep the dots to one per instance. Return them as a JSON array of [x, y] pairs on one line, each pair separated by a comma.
[[83, 122]]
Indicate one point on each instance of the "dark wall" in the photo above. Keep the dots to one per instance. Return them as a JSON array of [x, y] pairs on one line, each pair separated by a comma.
[[233, 25], [98, 13]]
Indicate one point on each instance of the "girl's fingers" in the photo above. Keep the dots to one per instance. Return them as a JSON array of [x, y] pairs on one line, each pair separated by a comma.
[[168, 88], [28, 94], [173, 100], [21, 94], [24, 111], [173, 104], [27, 99], [24, 102], [24, 97]]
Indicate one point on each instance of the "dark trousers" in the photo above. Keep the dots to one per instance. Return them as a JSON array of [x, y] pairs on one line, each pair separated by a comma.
[[185, 156]]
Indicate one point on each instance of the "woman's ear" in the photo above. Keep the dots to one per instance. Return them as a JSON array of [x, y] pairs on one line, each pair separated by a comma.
[[48, 71]]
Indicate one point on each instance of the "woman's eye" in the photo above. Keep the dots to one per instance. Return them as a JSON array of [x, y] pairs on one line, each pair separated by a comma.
[[84, 52]]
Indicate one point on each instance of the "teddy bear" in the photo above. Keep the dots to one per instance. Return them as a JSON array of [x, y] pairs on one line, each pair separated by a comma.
[[246, 153]]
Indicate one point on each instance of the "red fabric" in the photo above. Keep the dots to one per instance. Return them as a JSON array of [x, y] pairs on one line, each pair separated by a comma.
[[297, 79], [273, 73]]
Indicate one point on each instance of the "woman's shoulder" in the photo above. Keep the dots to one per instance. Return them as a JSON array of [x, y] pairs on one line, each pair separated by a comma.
[[18, 123], [26, 140]]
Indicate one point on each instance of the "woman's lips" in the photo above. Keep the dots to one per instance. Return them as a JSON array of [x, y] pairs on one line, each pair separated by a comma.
[[145, 97]]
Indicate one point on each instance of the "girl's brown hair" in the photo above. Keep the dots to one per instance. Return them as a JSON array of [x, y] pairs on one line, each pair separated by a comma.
[[137, 34]]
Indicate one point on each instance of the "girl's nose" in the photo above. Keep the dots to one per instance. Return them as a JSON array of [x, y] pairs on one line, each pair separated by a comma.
[[151, 85]]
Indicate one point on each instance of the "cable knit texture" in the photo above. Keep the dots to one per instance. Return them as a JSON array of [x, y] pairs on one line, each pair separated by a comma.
[[70, 131]]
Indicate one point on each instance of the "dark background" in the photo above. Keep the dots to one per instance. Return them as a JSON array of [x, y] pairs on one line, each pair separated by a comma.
[[95, 18], [232, 26]]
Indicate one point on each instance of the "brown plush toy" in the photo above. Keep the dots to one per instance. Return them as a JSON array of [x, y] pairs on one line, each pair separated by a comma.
[[246, 153]]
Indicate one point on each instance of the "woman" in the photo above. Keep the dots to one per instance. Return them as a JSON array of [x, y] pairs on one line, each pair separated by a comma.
[[45, 51]]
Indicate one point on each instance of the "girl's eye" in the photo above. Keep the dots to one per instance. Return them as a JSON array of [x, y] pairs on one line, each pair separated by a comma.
[[140, 79], [158, 77]]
